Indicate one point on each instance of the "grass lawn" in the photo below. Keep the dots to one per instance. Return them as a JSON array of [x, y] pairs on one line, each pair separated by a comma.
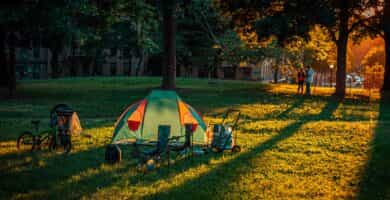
[[293, 147]]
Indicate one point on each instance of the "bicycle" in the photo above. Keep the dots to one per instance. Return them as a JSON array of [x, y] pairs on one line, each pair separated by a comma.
[[28, 141]]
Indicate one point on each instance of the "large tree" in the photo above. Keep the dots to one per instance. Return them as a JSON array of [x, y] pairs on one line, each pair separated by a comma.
[[386, 33], [64, 23], [169, 43], [52, 26], [12, 29], [52, 23], [379, 25]]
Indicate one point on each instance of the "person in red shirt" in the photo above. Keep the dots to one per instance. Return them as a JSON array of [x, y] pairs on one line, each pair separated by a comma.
[[301, 80]]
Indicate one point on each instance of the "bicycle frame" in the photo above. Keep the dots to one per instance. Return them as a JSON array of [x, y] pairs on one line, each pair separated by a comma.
[[41, 136]]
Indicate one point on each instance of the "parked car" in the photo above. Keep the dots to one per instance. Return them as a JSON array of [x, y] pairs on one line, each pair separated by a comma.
[[353, 80]]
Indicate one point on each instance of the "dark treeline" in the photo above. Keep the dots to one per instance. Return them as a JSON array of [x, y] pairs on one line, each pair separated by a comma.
[[183, 32]]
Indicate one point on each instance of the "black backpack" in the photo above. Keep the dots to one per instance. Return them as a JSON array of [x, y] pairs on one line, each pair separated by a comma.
[[113, 154]]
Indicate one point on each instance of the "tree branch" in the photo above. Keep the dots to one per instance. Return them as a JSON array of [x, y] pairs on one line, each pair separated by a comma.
[[374, 30], [209, 29], [357, 24], [364, 22], [332, 34]]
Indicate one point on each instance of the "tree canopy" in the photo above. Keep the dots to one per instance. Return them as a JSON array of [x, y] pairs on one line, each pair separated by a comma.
[[193, 33]]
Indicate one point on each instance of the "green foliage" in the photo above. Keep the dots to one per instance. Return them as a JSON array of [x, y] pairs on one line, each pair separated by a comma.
[[135, 26], [204, 37]]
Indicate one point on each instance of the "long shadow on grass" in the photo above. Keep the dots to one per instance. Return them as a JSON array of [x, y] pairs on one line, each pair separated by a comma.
[[14, 155], [296, 104], [375, 183], [64, 176], [122, 174], [215, 183], [55, 176], [46, 173], [54, 179], [38, 172]]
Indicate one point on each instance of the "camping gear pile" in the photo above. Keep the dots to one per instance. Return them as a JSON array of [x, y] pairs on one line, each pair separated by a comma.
[[223, 133], [66, 123], [63, 116], [164, 123]]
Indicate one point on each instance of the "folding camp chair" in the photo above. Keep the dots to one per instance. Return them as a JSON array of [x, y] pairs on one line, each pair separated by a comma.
[[149, 157], [164, 132], [188, 140]]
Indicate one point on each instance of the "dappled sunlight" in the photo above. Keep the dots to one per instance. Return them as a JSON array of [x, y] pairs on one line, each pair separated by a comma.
[[182, 172], [305, 109], [292, 147], [322, 159], [95, 135], [291, 89], [356, 112], [301, 137], [351, 93], [54, 169], [7, 147], [175, 178], [89, 180], [123, 190], [261, 111], [15, 161], [263, 127], [226, 172]]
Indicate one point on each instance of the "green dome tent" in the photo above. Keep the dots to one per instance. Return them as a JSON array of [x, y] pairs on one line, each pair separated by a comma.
[[139, 121]]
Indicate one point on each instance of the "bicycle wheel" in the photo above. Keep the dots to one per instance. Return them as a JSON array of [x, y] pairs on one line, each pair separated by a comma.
[[26, 141], [63, 145], [66, 143], [52, 144]]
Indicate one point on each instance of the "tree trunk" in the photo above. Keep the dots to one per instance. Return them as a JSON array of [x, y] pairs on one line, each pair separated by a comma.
[[134, 60], [3, 59], [54, 63], [145, 64], [386, 30], [341, 44], [211, 69], [169, 31], [142, 65], [386, 80], [276, 74], [95, 67], [73, 71], [12, 65], [341, 68]]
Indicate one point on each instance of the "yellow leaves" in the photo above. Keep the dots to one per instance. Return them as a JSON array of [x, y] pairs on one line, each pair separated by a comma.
[[375, 55], [373, 76], [322, 44]]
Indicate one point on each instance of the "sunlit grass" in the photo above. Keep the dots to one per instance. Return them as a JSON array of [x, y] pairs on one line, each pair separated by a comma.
[[353, 93], [293, 147]]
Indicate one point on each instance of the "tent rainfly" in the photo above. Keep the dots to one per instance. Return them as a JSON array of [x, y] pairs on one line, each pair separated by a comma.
[[140, 121]]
